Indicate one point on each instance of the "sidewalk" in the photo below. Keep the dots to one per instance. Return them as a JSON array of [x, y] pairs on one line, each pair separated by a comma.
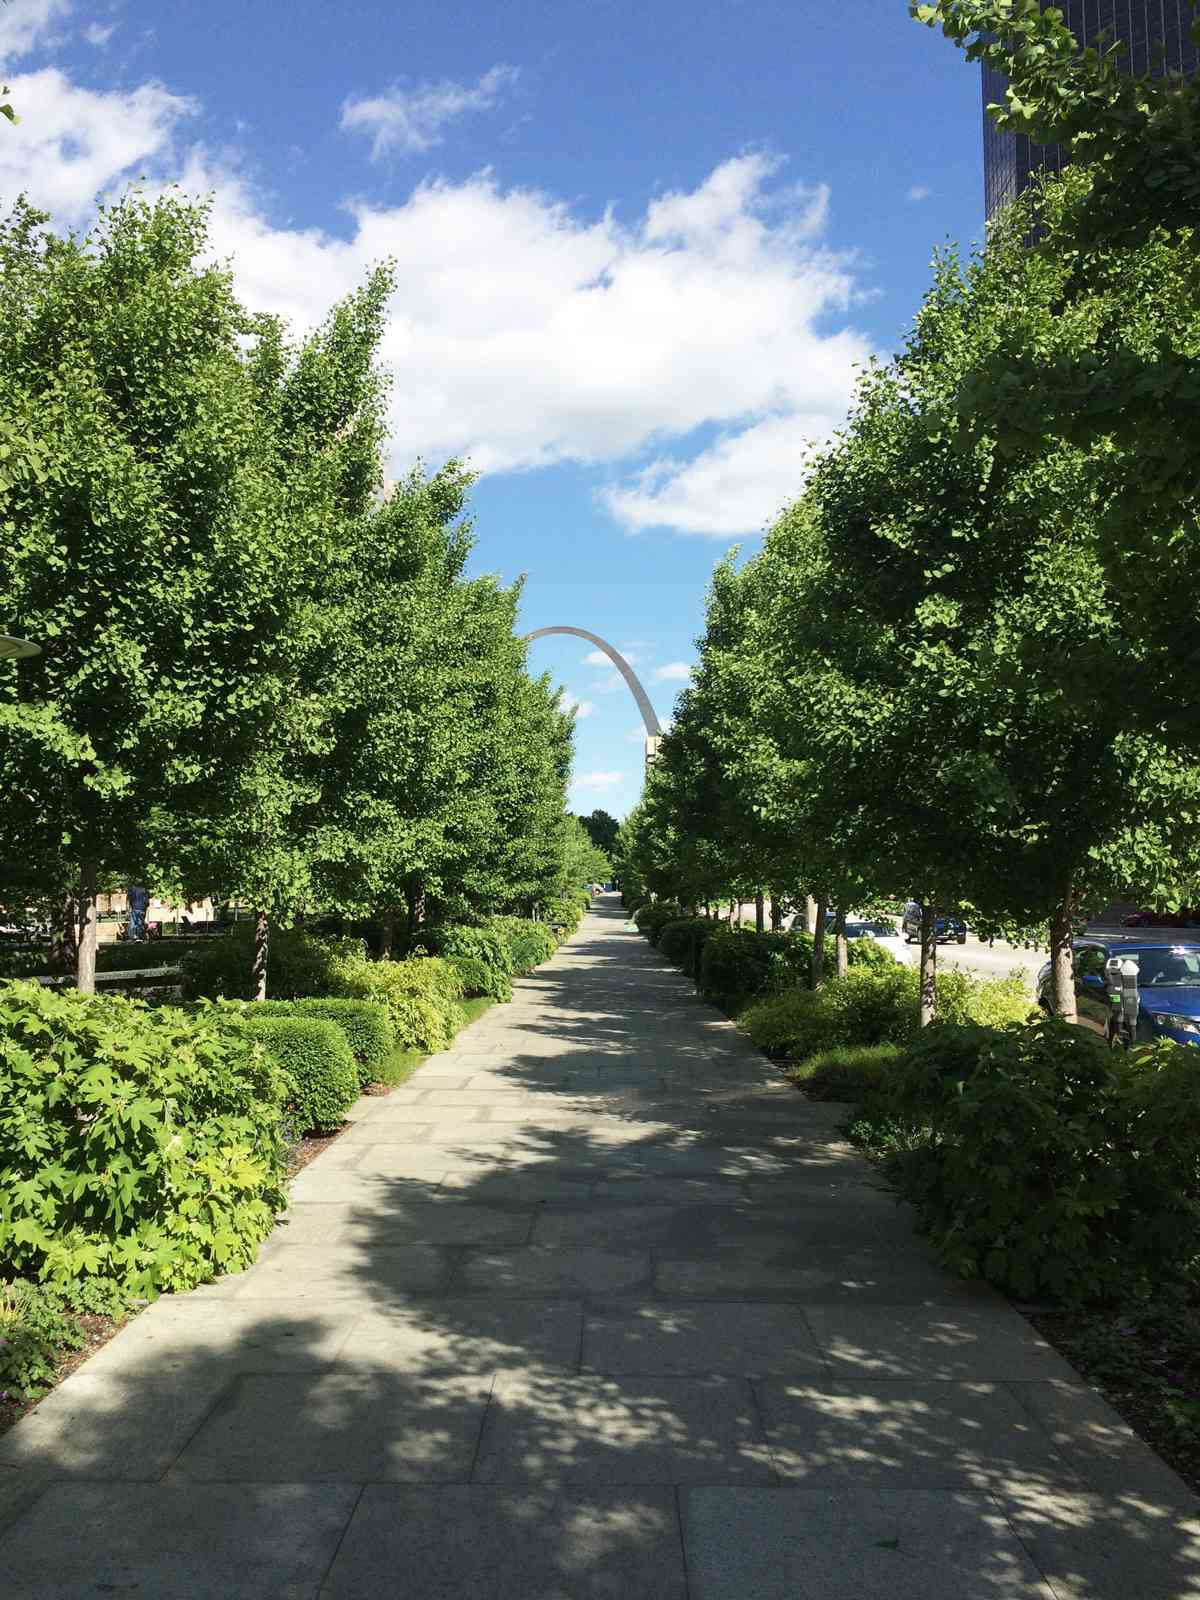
[[594, 1306]]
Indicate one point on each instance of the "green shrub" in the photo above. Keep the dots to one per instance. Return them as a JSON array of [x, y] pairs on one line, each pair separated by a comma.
[[315, 1060], [299, 964], [138, 1146], [566, 911], [788, 1023], [485, 944], [529, 943], [868, 952], [1045, 1162], [421, 996], [366, 1026], [737, 963], [650, 918], [682, 939], [478, 979], [847, 1072], [993, 1002], [35, 1330]]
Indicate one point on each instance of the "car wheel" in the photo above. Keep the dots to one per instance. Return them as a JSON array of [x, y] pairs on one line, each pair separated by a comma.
[[962, 938]]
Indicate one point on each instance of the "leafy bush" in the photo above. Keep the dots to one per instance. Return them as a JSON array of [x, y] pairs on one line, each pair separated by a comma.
[[299, 964], [35, 1329], [566, 911], [876, 1005], [649, 919], [139, 1146], [529, 943], [484, 944], [847, 1072], [682, 940], [868, 952], [738, 963], [480, 980], [421, 995], [366, 1026], [1045, 1162], [315, 1060]]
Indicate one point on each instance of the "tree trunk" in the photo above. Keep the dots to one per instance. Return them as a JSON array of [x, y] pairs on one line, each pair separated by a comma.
[[928, 963], [262, 940], [760, 912], [841, 949], [387, 935], [734, 908], [85, 966], [818, 955], [1062, 958], [810, 914], [64, 936], [776, 915], [415, 897], [708, 908]]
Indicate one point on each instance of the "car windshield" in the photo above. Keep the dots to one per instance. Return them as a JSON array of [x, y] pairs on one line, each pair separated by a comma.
[[1163, 969]]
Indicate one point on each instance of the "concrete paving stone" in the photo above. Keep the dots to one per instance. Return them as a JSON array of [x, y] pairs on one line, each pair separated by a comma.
[[179, 1337], [1120, 1544], [632, 1188], [1093, 1439], [363, 1190], [444, 1219], [125, 1426], [558, 1432], [475, 1543], [989, 1342], [651, 1337], [548, 1269], [854, 1544], [211, 1542], [467, 1334], [409, 1122], [622, 1227], [406, 1158], [904, 1431], [880, 1277], [343, 1427], [305, 1272], [21, 1486], [526, 1187]]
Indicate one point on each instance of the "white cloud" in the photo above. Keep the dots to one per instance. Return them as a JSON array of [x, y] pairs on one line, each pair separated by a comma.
[[524, 334], [73, 144], [919, 191], [26, 23], [570, 702], [598, 780], [673, 672], [98, 35], [412, 120], [737, 485]]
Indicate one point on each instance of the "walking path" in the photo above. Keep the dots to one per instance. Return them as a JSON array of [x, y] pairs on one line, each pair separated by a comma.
[[593, 1307]]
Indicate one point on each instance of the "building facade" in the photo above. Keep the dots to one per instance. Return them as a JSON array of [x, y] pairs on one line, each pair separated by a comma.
[[1157, 37]]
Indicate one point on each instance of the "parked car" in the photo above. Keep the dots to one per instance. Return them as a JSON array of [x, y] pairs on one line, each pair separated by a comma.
[[948, 928], [1168, 989], [1185, 917]]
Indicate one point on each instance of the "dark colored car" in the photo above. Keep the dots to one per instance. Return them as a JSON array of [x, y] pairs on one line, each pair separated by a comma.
[[1168, 988], [948, 928]]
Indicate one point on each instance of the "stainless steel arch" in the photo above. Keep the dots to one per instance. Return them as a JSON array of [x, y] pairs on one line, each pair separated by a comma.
[[653, 730]]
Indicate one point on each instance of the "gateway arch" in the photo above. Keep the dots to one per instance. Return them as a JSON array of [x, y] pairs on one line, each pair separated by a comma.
[[649, 718]]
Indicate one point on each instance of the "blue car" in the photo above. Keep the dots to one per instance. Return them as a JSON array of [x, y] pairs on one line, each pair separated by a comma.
[[1168, 988]]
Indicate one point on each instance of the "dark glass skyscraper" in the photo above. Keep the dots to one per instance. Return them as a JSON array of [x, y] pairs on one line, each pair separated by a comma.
[[1155, 33]]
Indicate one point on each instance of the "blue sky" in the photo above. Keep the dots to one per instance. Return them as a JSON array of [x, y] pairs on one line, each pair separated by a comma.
[[641, 248]]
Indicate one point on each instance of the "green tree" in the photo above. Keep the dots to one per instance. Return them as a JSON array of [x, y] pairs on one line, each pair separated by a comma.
[[602, 829]]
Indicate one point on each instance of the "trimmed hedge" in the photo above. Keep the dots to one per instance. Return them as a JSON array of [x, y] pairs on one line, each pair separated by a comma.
[[529, 943], [365, 1024], [299, 964], [141, 1147], [651, 918], [484, 944], [682, 940], [1045, 1162], [421, 996], [847, 1072], [738, 963], [315, 1060], [479, 980]]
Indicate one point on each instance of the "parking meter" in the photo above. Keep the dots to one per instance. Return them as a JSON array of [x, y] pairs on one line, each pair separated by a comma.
[[1123, 992]]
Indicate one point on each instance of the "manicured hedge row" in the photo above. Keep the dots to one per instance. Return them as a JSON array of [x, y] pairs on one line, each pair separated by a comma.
[[315, 1060], [365, 1024]]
